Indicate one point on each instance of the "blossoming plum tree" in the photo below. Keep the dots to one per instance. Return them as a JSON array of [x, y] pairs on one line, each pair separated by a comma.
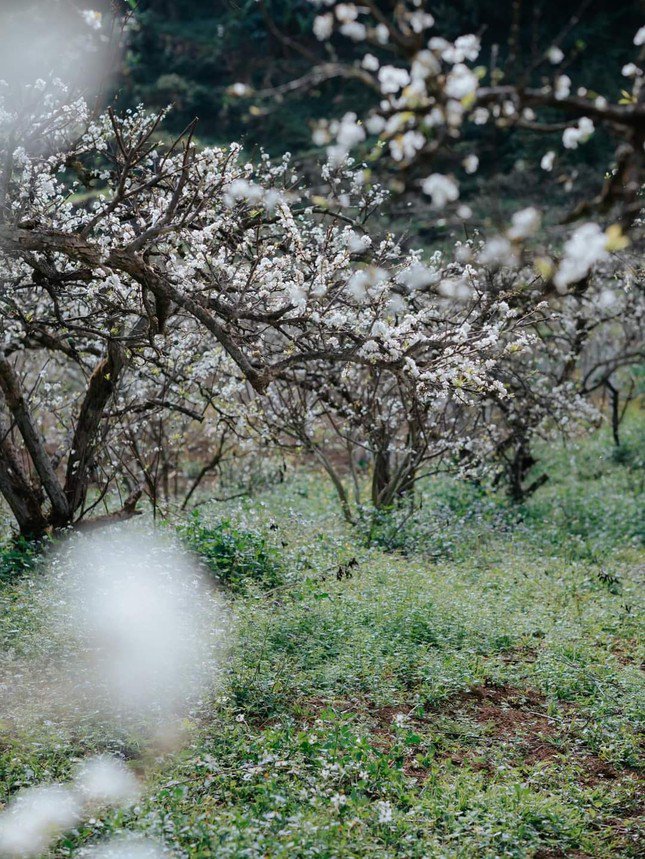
[[147, 287], [429, 98], [188, 279], [436, 90]]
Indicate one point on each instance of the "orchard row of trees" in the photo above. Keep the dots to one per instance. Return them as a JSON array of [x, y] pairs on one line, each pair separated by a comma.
[[162, 301]]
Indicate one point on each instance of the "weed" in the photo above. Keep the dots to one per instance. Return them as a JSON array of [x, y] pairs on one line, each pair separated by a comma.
[[235, 556]]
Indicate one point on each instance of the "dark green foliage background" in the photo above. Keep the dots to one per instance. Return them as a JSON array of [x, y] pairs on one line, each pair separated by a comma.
[[188, 53]]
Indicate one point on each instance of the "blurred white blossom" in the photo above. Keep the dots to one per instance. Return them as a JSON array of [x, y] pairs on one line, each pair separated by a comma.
[[587, 246], [104, 780], [35, 818], [441, 189]]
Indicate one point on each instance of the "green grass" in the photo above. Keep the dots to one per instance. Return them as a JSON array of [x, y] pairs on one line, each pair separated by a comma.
[[477, 692]]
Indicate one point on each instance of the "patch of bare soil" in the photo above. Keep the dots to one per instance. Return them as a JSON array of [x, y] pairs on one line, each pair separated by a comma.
[[560, 854], [515, 716], [518, 717], [519, 654], [626, 652]]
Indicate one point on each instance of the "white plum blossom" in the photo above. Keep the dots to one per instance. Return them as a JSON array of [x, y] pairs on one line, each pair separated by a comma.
[[461, 82], [555, 55], [639, 38], [498, 251], [524, 224], [382, 34], [455, 288], [420, 21], [631, 70], [467, 47], [350, 131], [357, 244], [92, 18], [441, 189], [323, 26], [370, 63], [562, 86], [240, 89], [586, 247], [407, 145], [354, 30], [392, 79], [573, 136], [471, 163], [419, 276], [424, 65], [547, 161], [136, 607], [346, 12], [375, 123], [480, 116]]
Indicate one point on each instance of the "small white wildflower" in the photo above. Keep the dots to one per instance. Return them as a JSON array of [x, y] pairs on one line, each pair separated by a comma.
[[385, 813], [127, 847], [354, 30]]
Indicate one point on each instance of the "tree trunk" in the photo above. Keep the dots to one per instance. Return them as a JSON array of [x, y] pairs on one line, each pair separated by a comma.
[[23, 498], [99, 391], [34, 442]]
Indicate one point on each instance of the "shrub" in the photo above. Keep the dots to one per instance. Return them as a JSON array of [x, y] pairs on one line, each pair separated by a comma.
[[235, 556], [17, 557]]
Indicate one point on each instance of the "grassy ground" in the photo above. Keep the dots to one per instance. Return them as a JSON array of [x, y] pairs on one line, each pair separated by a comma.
[[472, 686]]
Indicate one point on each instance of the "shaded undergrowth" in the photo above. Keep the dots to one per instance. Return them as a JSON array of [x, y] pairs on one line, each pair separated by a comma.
[[479, 696]]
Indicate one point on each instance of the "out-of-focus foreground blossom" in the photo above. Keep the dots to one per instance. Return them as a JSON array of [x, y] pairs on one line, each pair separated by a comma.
[[36, 817], [134, 640]]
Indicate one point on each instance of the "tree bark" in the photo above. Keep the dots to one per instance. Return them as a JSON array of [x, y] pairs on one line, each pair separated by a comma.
[[22, 497], [34, 442], [98, 393]]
